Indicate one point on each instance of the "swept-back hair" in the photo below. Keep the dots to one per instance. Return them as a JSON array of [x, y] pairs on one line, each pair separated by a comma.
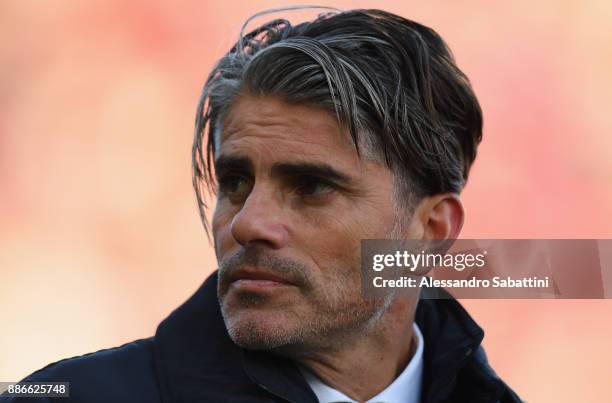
[[392, 84]]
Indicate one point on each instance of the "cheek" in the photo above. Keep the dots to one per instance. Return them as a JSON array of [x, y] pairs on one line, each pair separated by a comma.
[[221, 229], [336, 247], [337, 251]]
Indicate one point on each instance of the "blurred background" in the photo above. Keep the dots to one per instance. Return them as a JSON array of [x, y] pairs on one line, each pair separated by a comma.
[[99, 232]]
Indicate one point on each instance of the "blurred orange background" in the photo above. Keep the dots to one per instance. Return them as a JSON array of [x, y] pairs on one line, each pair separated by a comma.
[[99, 232]]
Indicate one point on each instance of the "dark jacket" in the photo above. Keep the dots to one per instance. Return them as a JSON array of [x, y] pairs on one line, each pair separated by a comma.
[[192, 359]]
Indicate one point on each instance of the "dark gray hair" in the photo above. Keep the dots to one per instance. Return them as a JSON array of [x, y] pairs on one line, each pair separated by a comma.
[[391, 82]]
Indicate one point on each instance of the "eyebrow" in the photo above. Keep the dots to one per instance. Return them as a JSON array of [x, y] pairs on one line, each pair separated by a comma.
[[228, 163], [320, 170]]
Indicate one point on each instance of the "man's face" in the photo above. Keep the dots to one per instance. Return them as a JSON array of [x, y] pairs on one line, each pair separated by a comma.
[[294, 202]]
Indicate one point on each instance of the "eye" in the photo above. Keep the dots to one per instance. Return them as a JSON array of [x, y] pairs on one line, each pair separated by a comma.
[[234, 186], [313, 187]]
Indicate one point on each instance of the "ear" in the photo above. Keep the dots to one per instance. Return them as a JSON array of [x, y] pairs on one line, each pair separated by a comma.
[[439, 216]]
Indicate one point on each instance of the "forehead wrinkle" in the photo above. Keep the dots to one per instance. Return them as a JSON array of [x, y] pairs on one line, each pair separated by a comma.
[[271, 112], [281, 141], [283, 132]]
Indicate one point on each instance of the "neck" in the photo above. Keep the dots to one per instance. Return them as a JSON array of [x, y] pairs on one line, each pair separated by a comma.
[[365, 363]]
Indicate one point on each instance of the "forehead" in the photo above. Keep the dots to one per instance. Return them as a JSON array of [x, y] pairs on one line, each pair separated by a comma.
[[270, 121]]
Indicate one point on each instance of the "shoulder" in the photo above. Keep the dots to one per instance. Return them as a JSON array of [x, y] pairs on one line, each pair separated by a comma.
[[481, 372], [124, 373]]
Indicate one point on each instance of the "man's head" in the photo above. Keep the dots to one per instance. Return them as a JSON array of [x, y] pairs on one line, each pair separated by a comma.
[[356, 125]]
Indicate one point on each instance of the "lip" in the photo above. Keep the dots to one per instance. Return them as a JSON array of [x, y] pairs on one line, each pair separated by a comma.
[[253, 277]]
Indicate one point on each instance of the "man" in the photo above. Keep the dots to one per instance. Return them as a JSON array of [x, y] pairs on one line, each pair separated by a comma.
[[357, 125]]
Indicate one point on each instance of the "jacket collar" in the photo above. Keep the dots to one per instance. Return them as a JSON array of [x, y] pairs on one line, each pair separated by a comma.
[[451, 337], [194, 355]]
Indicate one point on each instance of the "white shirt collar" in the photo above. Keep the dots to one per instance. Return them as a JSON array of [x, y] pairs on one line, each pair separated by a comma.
[[406, 388]]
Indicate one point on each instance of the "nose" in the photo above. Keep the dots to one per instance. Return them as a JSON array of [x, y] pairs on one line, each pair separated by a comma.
[[260, 221]]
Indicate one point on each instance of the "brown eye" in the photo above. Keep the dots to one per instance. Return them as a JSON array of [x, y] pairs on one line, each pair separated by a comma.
[[234, 186], [313, 187]]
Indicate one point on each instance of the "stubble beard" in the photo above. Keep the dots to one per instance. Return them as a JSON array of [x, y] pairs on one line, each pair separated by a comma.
[[324, 318], [328, 328], [335, 316]]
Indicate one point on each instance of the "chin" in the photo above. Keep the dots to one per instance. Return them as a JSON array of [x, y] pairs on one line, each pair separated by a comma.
[[257, 330]]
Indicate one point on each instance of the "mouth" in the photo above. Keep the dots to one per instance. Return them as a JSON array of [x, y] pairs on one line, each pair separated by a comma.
[[258, 279]]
